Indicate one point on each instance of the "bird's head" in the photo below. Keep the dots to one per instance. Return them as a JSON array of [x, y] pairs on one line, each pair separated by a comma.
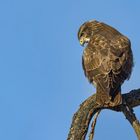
[[86, 31]]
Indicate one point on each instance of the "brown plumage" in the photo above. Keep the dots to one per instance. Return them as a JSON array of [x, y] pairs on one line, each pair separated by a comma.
[[107, 60]]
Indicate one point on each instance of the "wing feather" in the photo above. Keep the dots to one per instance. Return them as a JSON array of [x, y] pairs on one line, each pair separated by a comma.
[[108, 63]]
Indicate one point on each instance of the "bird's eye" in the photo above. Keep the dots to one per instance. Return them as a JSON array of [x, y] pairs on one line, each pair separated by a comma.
[[81, 34]]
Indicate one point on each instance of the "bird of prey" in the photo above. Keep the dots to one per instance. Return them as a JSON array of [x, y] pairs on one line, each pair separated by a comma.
[[107, 60]]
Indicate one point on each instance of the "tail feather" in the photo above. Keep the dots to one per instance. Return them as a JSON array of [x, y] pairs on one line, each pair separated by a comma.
[[112, 98]]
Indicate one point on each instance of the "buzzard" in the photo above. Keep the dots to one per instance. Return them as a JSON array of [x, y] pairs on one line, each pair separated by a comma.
[[107, 60]]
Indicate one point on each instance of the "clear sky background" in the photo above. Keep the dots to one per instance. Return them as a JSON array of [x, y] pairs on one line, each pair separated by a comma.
[[41, 79]]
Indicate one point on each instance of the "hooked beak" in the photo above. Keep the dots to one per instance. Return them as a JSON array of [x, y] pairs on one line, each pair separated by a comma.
[[84, 42], [81, 42]]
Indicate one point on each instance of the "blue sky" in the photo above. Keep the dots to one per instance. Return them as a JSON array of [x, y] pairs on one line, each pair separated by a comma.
[[41, 78]]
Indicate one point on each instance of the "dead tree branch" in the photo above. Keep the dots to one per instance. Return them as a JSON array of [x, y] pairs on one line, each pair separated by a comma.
[[130, 116], [89, 108], [91, 135]]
